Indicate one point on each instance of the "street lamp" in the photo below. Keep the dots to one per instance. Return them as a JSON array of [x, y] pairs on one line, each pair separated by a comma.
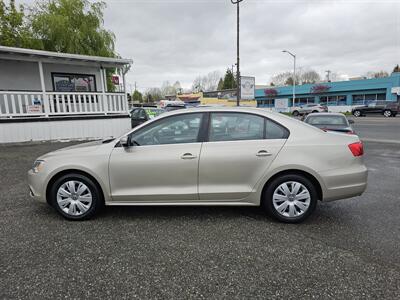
[[237, 52], [294, 74]]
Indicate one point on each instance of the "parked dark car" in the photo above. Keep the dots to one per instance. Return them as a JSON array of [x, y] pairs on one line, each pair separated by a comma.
[[330, 122], [381, 107], [142, 114]]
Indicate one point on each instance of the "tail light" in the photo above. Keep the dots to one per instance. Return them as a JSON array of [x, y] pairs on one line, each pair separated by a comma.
[[357, 148]]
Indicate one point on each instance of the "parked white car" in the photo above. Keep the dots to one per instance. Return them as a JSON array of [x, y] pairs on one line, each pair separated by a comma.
[[308, 108], [205, 156]]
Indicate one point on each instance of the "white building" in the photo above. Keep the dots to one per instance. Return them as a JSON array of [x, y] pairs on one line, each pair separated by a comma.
[[53, 96]]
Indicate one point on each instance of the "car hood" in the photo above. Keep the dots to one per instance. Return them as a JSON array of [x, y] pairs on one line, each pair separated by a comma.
[[84, 147]]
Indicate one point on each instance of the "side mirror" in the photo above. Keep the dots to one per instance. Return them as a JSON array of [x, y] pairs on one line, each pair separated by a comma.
[[125, 141], [351, 121]]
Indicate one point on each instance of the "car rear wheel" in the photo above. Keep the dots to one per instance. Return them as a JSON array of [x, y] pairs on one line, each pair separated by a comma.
[[295, 113], [290, 198], [387, 113], [357, 113], [75, 197], [314, 111]]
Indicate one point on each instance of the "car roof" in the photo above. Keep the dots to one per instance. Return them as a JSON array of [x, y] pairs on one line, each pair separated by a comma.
[[220, 109]]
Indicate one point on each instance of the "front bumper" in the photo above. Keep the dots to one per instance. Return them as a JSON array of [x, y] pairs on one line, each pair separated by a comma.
[[36, 186]]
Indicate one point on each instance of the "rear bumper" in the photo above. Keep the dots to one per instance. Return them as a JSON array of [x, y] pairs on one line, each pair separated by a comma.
[[342, 184]]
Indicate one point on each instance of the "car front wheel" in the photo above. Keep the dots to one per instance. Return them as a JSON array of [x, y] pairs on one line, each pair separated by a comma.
[[75, 197], [357, 113], [295, 113], [290, 198]]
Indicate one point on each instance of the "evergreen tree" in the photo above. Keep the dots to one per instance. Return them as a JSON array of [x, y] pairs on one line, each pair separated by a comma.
[[229, 80]]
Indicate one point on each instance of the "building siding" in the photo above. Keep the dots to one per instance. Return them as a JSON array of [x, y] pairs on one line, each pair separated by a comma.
[[24, 76], [342, 88]]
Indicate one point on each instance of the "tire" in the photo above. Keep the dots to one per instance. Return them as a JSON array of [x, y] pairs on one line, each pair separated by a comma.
[[387, 113], [295, 113], [314, 111], [357, 113], [294, 211], [86, 199]]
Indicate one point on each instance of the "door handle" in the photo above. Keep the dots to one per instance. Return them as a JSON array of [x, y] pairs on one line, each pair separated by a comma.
[[263, 153], [188, 156]]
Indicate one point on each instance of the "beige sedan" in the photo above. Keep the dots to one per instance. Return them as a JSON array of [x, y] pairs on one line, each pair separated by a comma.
[[205, 156]]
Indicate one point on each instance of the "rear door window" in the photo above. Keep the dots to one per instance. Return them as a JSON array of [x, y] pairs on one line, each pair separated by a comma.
[[275, 131], [235, 126]]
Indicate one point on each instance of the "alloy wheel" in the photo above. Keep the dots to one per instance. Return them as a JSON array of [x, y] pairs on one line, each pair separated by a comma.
[[291, 199], [357, 113], [387, 113], [74, 198]]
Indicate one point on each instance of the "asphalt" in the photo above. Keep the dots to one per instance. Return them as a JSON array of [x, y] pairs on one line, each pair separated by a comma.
[[378, 129], [347, 249]]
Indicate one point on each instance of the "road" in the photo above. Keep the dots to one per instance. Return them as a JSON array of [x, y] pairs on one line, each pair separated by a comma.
[[347, 249], [378, 128]]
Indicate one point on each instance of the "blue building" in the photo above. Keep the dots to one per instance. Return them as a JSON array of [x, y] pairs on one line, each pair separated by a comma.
[[342, 93]]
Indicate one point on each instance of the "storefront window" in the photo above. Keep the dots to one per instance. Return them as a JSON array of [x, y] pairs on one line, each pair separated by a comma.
[[341, 100], [73, 82], [367, 98]]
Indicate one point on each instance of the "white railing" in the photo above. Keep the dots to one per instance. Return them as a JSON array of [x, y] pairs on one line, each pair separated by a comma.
[[27, 104]]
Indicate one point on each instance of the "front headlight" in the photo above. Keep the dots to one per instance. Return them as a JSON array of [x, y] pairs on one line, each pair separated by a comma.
[[37, 166]]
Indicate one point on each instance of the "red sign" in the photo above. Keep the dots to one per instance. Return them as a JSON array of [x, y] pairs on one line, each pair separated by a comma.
[[115, 79]]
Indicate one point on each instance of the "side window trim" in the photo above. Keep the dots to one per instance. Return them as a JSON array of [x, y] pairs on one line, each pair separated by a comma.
[[204, 127]]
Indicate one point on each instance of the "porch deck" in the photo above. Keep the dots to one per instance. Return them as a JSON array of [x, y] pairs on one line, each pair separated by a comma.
[[23, 104]]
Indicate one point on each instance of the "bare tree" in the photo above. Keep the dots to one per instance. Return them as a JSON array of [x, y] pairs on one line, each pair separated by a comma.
[[167, 89], [281, 78], [379, 74], [302, 77], [207, 82], [310, 76], [153, 94]]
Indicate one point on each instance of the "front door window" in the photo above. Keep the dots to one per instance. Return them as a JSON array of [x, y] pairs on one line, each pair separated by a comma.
[[172, 130]]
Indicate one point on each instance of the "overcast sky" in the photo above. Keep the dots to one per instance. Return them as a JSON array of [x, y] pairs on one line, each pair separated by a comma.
[[181, 39]]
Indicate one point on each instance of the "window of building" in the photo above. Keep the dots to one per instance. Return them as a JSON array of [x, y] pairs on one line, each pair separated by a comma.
[[301, 101], [266, 103], [73, 82], [367, 98], [333, 100]]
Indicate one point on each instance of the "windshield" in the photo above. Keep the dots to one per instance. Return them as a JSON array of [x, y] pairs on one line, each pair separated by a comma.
[[154, 112], [327, 120]]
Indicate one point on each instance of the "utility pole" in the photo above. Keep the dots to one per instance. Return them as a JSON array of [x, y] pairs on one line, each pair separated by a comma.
[[328, 73], [237, 52]]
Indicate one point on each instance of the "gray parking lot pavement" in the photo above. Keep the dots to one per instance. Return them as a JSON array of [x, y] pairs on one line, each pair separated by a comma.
[[347, 249], [379, 129]]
